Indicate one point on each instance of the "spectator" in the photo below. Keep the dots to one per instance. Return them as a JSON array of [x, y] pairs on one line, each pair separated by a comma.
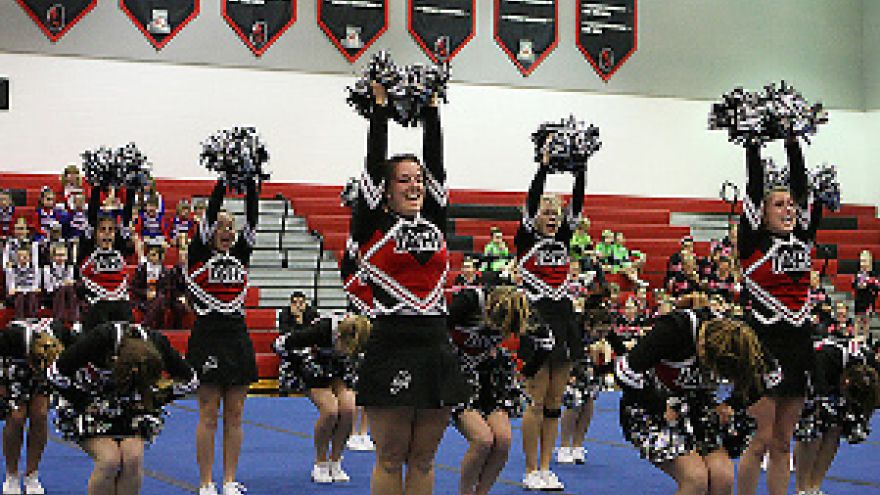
[[605, 251], [722, 281], [468, 276], [297, 315], [842, 325], [48, 212], [177, 229], [822, 310], [581, 245], [157, 288], [23, 284], [674, 265], [7, 216], [71, 184], [687, 280], [866, 286], [59, 286], [495, 252]]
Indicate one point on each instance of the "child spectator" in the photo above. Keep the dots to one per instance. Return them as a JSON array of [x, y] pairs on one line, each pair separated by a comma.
[[687, 280], [641, 299], [77, 218], [48, 212], [495, 252], [605, 251], [630, 325], [59, 286], [581, 244], [149, 193], [71, 184], [21, 235], [866, 286], [469, 277], [177, 229], [148, 225], [157, 288], [842, 326], [7, 215], [55, 236], [722, 281], [674, 265], [23, 284], [821, 308]]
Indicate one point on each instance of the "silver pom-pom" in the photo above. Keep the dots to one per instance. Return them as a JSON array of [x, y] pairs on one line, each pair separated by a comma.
[[350, 192], [568, 144], [135, 167], [101, 168], [825, 186], [238, 154]]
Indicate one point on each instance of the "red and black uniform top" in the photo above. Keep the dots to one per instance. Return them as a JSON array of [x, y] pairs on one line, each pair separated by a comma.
[[866, 286], [403, 261], [544, 260], [103, 270], [776, 268], [217, 281], [821, 306], [725, 286]]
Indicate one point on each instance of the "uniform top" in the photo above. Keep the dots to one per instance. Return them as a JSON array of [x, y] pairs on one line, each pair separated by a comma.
[[544, 260], [776, 269], [103, 270], [56, 276], [217, 281], [17, 338], [833, 356], [467, 329], [403, 260]]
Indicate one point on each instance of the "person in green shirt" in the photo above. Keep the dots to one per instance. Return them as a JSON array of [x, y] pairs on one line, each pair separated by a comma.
[[605, 252], [497, 250], [581, 242]]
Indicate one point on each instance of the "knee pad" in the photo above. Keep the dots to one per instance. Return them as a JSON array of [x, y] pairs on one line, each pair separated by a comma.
[[552, 413]]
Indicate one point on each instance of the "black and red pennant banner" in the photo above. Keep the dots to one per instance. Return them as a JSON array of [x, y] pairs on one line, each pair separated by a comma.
[[607, 33], [526, 31], [353, 25], [442, 27], [259, 24], [160, 20], [56, 17]]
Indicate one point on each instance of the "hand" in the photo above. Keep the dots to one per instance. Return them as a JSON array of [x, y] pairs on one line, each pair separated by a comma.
[[725, 412], [670, 415], [151, 294], [379, 93]]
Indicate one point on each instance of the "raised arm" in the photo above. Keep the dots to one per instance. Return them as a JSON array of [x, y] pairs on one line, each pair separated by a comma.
[[252, 206], [94, 206], [536, 189], [214, 203], [377, 136], [799, 184], [578, 193], [755, 171], [127, 208]]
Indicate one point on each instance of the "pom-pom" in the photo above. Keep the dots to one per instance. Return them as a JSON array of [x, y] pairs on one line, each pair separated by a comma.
[[567, 144], [101, 168], [410, 88], [238, 154], [825, 186], [135, 167], [350, 192], [755, 117]]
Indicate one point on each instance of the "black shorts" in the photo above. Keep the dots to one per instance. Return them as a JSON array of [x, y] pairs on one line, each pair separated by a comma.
[[561, 318], [792, 347], [221, 352], [408, 362]]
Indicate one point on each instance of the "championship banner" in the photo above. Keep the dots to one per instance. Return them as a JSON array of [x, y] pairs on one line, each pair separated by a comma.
[[353, 25], [56, 17], [606, 33], [259, 22], [526, 31], [442, 27], [160, 20]]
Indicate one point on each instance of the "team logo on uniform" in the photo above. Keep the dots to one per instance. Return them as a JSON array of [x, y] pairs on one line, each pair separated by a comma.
[[421, 237], [211, 363], [225, 270], [791, 256], [108, 261], [606, 33], [55, 19], [552, 254], [400, 382]]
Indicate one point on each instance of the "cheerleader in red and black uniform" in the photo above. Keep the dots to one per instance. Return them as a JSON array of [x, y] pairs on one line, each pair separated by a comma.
[[219, 348], [866, 286], [776, 234], [542, 246], [673, 407], [101, 260], [409, 377], [820, 303]]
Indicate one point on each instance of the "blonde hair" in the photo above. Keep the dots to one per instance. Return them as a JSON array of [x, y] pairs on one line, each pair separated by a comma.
[[553, 200], [353, 333], [507, 309], [732, 350]]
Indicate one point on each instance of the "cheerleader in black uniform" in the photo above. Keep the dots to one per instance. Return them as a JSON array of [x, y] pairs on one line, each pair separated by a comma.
[[866, 286], [670, 409], [328, 376], [542, 246], [777, 230], [103, 248], [409, 377], [845, 392], [27, 349], [110, 382], [220, 349], [478, 324]]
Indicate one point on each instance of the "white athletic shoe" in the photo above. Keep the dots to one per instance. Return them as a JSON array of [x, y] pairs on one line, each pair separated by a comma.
[[564, 455], [354, 442], [534, 481], [12, 485], [32, 485], [764, 462], [209, 489], [336, 472], [233, 488], [791, 463], [551, 482], [367, 443], [579, 454], [321, 473]]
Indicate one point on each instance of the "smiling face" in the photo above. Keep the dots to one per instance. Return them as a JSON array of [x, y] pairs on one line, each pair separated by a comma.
[[779, 212], [406, 189], [549, 211], [224, 236]]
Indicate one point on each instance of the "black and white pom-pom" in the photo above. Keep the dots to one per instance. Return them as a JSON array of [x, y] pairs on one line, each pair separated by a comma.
[[825, 186], [568, 144], [237, 154], [101, 168], [743, 114], [410, 88], [135, 166], [350, 192], [790, 114]]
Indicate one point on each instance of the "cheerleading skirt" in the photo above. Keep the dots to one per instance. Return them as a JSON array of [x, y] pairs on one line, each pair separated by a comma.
[[221, 352], [22, 384], [300, 372], [408, 362], [560, 317], [822, 414], [105, 312], [494, 385], [792, 347], [586, 384], [78, 423]]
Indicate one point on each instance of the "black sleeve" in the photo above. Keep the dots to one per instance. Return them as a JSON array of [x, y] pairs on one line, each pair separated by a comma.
[[318, 334], [174, 363], [11, 344], [214, 204], [463, 306], [751, 219], [244, 245], [139, 284], [285, 321], [91, 347], [755, 171], [252, 200], [93, 207], [578, 193], [536, 189], [377, 143], [127, 208], [630, 369], [799, 184], [436, 196], [371, 188]]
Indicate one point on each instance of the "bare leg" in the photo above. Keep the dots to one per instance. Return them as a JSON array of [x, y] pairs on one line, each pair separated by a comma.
[[346, 410], [480, 439], [13, 436], [788, 410], [689, 472], [559, 374], [583, 423], [132, 473], [827, 451], [567, 426], [392, 431], [108, 463], [720, 469], [749, 471], [533, 417], [805, 453], [328, 413], [428, 429], [233, 410], [209, 405], [38, 431], [500, 424]]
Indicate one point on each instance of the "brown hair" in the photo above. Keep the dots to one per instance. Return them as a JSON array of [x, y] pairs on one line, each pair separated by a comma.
[[861, 387], [137, 368], [732, 350], [507, 309]]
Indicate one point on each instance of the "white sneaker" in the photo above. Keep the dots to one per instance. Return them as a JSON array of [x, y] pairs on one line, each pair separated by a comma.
[[12, 485], [367, 443], [791, 463], [355, 442], [321, 473], [764, 462], [551, 482], [533, 481], [209, 489], [32, 485], [564, 455], [579, 454], [336, 472], [233, 488]]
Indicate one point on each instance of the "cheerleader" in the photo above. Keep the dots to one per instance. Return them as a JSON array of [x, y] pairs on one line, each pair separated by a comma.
[[542, 245], [23, 283], [27, 349], [820, 303], [478, 325], [220, 349], [59, 286], [669, 409], [328, 376], [110, 382], [777, 230], [409, 377], [101, 260], [866, 287], [845, 392]]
